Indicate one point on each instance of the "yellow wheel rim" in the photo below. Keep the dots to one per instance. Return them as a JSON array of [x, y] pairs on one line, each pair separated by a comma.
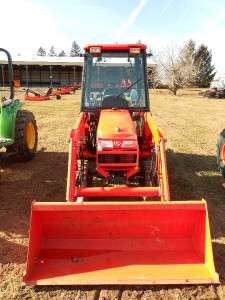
[[30, 135]]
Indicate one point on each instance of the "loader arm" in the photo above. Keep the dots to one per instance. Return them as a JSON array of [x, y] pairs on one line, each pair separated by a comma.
[[159, 141]]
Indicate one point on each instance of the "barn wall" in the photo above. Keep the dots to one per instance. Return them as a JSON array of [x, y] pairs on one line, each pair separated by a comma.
[[34, 75]]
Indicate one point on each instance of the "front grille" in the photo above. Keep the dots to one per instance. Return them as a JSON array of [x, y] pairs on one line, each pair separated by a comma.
[[117, 158]]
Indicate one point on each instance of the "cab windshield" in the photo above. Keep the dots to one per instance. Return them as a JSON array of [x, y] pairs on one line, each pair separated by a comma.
[[114, 80]]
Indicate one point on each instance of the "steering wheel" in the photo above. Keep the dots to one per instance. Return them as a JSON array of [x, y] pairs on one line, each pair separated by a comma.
[[114, 102]]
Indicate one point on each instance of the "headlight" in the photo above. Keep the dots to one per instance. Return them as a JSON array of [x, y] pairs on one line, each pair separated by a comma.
[[129, 144], [105, 144]]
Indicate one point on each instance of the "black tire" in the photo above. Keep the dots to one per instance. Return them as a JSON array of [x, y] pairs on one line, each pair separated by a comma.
[[150, 174], [21, 149], [219, 145]]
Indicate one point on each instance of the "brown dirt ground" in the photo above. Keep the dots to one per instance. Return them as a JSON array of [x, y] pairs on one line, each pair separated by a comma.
[[191, 124]]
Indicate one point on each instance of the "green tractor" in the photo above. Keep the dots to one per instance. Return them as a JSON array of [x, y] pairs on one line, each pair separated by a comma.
[[18, 128], [220, 153]]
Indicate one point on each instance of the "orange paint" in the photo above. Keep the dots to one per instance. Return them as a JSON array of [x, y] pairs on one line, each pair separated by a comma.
[[116, 124]]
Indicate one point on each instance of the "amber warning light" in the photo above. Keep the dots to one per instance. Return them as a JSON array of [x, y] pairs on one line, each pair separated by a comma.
[[135, 51], [95, 50]]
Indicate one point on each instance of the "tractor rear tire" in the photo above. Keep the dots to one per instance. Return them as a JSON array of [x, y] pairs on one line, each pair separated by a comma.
[[26, 136], [220, 153]]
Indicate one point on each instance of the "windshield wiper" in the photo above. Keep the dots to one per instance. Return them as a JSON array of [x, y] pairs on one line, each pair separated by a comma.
[[126, 89]]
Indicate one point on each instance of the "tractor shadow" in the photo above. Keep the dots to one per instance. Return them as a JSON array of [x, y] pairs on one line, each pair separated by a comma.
[[12, 252], [41, 179], [193, 177]]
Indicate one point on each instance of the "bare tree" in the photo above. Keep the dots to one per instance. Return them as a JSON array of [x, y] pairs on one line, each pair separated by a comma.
[[153, 77], [174, 71]]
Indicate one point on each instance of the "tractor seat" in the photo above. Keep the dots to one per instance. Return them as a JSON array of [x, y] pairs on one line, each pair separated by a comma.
[[6, 102], [111, 91], [114, 102]]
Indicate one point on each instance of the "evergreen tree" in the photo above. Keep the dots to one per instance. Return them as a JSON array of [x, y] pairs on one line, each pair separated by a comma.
[[187, 54], [52, 51], [41, 52], [62, 53], [204, 67], [75, 49]]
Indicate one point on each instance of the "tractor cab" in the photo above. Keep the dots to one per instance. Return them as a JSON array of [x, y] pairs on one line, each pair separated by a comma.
[[115, 77], [114, 100]]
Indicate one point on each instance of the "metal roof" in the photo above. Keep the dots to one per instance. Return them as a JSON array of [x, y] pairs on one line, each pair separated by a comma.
[[53, 60]]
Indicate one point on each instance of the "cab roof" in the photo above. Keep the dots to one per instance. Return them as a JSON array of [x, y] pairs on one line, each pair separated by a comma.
[[115, 47]]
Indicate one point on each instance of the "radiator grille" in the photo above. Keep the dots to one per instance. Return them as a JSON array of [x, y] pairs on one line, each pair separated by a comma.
[[117, 158]]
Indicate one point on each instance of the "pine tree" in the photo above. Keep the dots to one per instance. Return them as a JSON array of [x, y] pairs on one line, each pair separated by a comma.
[[41, 52], [62, 53], [52, 51], [75, 49], [187, 54], [205, 69]]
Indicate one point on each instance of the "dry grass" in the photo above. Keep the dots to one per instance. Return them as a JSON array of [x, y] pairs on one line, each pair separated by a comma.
[[191, 124]]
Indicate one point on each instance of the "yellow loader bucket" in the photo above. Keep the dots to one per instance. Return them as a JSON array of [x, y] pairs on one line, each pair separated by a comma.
[[120, 243]]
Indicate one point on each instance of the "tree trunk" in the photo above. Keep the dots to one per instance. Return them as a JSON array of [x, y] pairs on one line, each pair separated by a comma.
[[173, 90]]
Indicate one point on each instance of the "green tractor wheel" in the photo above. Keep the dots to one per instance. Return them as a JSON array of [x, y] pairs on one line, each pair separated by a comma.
[[26, 136], [220, 153]]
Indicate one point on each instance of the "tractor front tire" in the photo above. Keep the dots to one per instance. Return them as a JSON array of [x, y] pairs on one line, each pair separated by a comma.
[[220, 153], [26, 136]]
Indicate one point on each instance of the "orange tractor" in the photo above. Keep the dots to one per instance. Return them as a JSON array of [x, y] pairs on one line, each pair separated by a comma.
[[118, 225]]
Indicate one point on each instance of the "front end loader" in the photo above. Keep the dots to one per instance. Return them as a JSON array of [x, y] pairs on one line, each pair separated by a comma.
[[118, 225], [18, 128]]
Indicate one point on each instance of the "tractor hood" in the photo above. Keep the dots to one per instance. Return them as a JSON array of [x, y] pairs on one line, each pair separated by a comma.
[[116, 124]]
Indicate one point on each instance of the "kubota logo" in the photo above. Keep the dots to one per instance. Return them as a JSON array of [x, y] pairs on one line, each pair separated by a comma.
[[117, 143]]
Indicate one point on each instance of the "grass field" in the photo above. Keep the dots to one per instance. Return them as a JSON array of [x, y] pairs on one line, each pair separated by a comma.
[[191, 124]]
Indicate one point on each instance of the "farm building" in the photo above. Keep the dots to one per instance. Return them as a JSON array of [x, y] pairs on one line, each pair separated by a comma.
[[43, 70], [46, 71]]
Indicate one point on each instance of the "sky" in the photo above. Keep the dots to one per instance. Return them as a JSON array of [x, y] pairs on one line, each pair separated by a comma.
[[25, 25]]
